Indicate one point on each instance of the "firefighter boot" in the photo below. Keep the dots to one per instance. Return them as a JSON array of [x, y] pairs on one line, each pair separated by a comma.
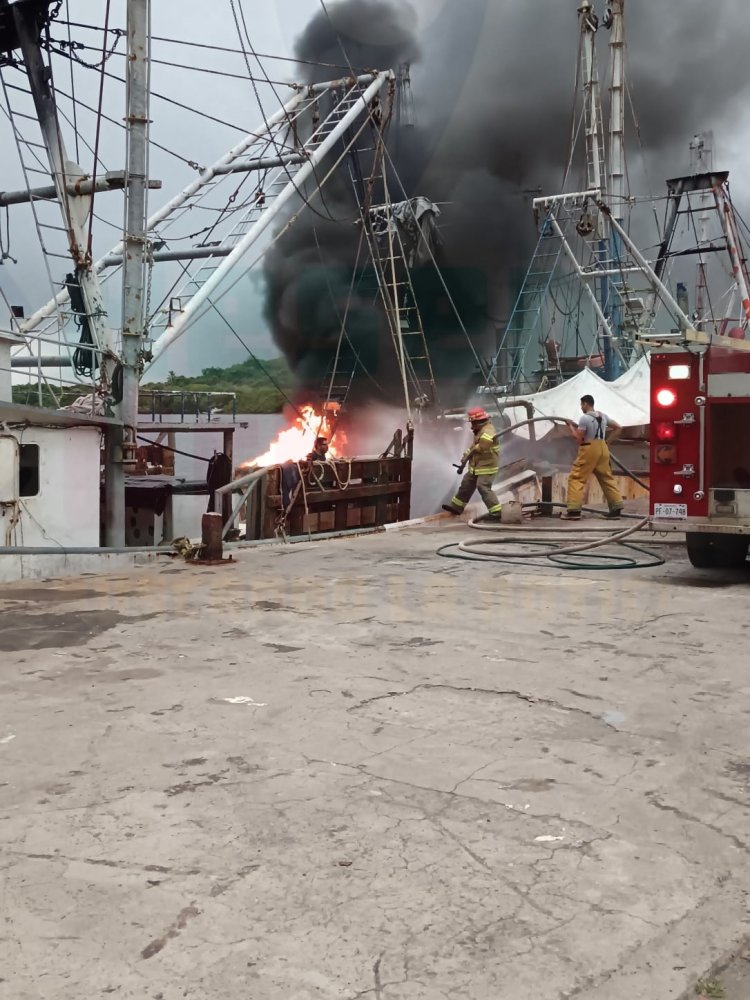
[[571, 515]]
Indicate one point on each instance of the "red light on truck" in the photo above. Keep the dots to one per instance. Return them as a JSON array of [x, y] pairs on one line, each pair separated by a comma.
[[666, 397], [665, 431]]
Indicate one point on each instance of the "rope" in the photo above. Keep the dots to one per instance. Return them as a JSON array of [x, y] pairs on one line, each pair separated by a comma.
[[333, 467]]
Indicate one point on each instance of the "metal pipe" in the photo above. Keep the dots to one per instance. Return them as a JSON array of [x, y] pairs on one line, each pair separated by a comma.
[[264, 164], [242, 500], [197, 253], [563, 199], [240, 484], [58, 550], [113, 180], [43, 361], [178, 327], [344, 81]]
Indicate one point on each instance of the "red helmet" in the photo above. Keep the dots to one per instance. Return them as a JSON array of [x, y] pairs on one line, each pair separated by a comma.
[[477, 414]]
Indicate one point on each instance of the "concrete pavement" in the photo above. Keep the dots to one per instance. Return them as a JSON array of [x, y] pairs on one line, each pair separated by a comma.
[[351, 768]]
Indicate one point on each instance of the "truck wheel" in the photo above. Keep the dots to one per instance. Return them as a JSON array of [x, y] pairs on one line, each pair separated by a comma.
[[709, 551]]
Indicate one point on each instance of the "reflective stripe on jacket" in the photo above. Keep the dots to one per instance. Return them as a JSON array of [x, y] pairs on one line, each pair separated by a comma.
[[483, 455]]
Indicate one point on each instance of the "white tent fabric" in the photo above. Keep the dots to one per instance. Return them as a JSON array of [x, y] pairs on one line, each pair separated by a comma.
[[626, 400]]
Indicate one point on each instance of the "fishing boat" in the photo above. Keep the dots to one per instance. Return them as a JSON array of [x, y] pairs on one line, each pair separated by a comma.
[[83, 470]]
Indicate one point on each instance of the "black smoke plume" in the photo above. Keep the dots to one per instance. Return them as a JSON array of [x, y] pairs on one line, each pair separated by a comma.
[[493, 87]]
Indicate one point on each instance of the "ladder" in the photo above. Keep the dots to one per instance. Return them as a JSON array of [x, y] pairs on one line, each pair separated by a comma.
[[527, 317], [390, 280], [396, 289], [277, 179], [55, 234]]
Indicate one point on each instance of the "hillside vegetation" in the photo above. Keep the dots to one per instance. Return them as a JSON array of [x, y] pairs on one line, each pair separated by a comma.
[[255, 391]]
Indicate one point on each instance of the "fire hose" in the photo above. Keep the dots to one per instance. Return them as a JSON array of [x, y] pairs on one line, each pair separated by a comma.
[[567, 555]]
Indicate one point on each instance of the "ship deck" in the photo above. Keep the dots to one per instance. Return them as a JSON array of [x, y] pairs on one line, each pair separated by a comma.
[[350, 768]]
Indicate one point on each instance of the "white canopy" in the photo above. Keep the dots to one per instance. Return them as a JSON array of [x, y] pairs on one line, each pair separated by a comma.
[[625, 400]]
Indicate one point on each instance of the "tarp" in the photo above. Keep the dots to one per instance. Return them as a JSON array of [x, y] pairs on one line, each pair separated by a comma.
[[625, 400]]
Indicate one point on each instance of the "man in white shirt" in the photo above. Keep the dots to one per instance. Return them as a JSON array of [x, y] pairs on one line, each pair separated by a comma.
[[593, 457]]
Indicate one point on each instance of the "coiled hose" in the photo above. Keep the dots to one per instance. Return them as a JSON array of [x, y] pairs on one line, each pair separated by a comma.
[[569, 556]]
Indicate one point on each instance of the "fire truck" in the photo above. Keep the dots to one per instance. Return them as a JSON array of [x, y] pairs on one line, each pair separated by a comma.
[[700, 381], [700, 445]]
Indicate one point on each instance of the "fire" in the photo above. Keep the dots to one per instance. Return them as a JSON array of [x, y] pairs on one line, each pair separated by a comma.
[[296, 442]]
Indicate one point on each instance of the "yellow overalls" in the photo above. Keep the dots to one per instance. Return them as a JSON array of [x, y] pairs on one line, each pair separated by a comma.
[[593, 457]]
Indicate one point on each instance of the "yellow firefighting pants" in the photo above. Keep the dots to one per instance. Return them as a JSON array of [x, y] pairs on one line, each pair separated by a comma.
[[592, 457]]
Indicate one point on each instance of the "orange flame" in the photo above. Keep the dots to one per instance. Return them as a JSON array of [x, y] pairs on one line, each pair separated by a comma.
[[296, 442]]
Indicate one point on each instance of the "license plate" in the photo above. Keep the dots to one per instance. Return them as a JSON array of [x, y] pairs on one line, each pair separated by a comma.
[[671, 511]]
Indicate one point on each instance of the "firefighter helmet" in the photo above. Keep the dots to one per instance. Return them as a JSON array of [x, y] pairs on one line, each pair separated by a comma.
[[477, 414]]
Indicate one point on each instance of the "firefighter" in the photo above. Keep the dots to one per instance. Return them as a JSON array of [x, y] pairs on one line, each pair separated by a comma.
[[320, 450], [482, 459], [593, 457]]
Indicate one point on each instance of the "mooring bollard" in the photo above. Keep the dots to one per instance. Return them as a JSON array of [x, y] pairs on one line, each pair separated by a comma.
[[211, 531]]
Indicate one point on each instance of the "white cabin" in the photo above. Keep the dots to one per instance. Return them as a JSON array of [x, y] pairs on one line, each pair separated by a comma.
[[49, 477]]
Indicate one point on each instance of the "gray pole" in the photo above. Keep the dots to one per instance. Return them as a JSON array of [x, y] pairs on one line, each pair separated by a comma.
[[134, 270]]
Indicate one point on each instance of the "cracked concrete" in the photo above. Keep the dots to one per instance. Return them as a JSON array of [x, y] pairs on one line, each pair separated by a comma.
[[369, 772]]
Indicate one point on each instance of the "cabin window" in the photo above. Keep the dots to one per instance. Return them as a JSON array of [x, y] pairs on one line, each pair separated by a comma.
[[28, 470]]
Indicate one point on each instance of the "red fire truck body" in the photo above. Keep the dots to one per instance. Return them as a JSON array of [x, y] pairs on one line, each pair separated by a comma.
[[700, 447]]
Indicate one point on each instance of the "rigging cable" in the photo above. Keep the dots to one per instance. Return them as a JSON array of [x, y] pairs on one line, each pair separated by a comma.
[[342, 319], [97, 134], [218, 48], [451, 300], [257, 360], [73, 90], [163, 97], [113, 121], [290, 178]]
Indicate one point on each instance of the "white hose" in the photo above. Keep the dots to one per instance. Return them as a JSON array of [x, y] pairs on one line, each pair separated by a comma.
[[619, 536]]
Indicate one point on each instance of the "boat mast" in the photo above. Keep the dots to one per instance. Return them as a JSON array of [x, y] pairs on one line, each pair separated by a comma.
[[134, 259], [592, 101], [616, 24], [617, 112], [597, 175]]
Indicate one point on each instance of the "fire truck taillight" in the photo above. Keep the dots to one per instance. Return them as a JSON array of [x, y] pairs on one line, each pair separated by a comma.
[[679, 372], [666, 431], [666, 397]]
